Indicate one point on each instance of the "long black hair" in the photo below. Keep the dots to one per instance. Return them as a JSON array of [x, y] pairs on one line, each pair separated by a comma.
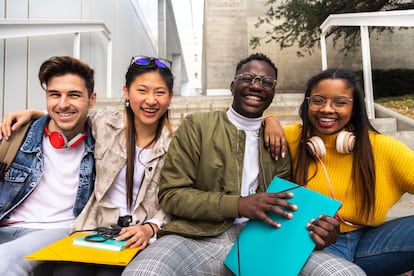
[[133, 72], [363, 169]]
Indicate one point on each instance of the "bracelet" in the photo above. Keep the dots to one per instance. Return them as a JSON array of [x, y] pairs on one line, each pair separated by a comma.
[[152, 228]]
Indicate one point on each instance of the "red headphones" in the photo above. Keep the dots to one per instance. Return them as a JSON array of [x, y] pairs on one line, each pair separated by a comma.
[[59, 141]]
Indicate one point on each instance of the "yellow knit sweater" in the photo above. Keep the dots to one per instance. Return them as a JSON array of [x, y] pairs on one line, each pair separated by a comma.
[[394, 168]]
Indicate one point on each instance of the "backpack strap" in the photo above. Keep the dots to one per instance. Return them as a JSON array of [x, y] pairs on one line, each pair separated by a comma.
[[9, 148]]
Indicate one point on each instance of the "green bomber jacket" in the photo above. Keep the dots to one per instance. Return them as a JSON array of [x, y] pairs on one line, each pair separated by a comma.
[[201, 179]]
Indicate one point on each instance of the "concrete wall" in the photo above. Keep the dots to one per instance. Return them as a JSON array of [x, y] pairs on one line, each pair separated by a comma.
[[225, 41], [230, 24]]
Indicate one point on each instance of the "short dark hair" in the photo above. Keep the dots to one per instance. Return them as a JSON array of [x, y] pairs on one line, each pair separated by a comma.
[[62, 65], [256, 56]]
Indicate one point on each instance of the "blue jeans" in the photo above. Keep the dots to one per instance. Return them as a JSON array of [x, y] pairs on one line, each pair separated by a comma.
[[387, 249], [17, 242]]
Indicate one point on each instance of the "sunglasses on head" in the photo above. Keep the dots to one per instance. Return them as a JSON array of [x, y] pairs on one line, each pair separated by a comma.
[[160, 62]]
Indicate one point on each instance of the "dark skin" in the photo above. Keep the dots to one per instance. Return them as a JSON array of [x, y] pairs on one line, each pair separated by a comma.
[[251, 101]]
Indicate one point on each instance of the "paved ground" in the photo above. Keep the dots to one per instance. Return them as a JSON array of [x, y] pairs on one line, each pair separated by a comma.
[[404, 207]]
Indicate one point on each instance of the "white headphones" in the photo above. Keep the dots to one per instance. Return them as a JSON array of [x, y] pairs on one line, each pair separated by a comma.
[[344, 144]]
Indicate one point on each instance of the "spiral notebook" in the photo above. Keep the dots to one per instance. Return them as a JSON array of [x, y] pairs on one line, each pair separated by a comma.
[[264, 250]]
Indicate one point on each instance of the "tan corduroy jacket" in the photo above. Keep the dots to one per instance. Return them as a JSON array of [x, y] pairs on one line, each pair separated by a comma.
[[110, 156]]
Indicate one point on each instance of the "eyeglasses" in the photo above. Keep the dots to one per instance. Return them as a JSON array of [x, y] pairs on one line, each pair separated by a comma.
[[316, 102], [143, 60], [102, 233], [267, 82]]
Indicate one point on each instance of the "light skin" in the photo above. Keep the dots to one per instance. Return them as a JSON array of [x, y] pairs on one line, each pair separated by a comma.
[[68, 104], [149, 99], [329, 120]]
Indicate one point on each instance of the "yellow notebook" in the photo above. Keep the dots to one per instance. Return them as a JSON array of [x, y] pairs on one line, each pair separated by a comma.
[[64, 250]]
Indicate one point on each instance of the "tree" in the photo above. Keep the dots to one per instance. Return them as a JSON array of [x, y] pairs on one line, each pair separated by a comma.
[[298, 21]]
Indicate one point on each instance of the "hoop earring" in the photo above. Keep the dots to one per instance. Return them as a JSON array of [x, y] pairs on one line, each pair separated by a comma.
[[126, 103]]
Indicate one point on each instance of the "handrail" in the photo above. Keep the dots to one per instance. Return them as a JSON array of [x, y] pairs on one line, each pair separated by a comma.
[[14, 28], [402, 18]]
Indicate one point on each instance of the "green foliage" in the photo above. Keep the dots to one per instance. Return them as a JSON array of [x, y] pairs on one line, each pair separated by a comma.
[[393, 82], [298, 21]]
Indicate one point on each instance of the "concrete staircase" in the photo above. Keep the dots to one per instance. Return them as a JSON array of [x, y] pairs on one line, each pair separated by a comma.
[[286, 107]]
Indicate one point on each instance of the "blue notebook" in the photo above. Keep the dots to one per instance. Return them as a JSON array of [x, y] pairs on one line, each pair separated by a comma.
[[109, 244], [264, 250]]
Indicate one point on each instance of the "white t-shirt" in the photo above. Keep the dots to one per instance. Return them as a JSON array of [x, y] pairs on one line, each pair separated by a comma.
[[51, 203], [117, 193]]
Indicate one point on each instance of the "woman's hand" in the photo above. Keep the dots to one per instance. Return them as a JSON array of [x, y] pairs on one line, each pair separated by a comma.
[[137, 235], [323, 231], [14, 120], [274, 137]]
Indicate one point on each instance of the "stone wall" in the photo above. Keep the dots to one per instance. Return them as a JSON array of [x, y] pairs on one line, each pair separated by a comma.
[[228, 26]]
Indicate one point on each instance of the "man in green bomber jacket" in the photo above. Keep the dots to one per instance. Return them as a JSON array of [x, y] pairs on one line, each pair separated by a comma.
[[213, 181]]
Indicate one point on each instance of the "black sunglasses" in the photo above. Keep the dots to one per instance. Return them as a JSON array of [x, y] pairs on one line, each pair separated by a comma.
[[101, 233], [144, 60]]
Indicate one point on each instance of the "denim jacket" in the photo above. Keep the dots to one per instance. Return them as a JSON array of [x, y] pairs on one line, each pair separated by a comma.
[[27, 168]]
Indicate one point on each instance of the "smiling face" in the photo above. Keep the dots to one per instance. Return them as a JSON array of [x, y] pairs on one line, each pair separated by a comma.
[[251, 100], [149, 98], [328, 118], [68, 104]]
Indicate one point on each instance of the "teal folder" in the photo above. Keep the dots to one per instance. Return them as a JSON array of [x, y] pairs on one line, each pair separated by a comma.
[[264, 250]]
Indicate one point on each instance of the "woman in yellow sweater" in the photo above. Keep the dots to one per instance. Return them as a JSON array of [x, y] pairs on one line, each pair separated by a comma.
[[336, 151]]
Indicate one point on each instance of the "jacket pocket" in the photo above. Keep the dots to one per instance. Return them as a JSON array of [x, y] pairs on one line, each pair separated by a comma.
[[14, 187], [16, 175]]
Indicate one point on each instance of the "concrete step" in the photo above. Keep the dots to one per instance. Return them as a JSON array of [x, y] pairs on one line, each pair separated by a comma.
[[404, 207], [405, 136], [286, 107], [385, 125]]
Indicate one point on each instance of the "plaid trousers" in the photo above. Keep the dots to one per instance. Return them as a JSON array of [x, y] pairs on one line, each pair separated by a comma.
[[176, 255]]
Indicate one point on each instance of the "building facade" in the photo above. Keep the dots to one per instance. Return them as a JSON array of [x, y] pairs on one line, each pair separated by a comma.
[[32, 31], [229, 25]]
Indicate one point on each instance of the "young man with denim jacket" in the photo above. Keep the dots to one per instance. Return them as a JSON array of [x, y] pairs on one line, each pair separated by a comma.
[[52, 175]]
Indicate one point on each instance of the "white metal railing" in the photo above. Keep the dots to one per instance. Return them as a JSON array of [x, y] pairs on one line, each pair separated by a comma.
[[401, 18], [11, 28]]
